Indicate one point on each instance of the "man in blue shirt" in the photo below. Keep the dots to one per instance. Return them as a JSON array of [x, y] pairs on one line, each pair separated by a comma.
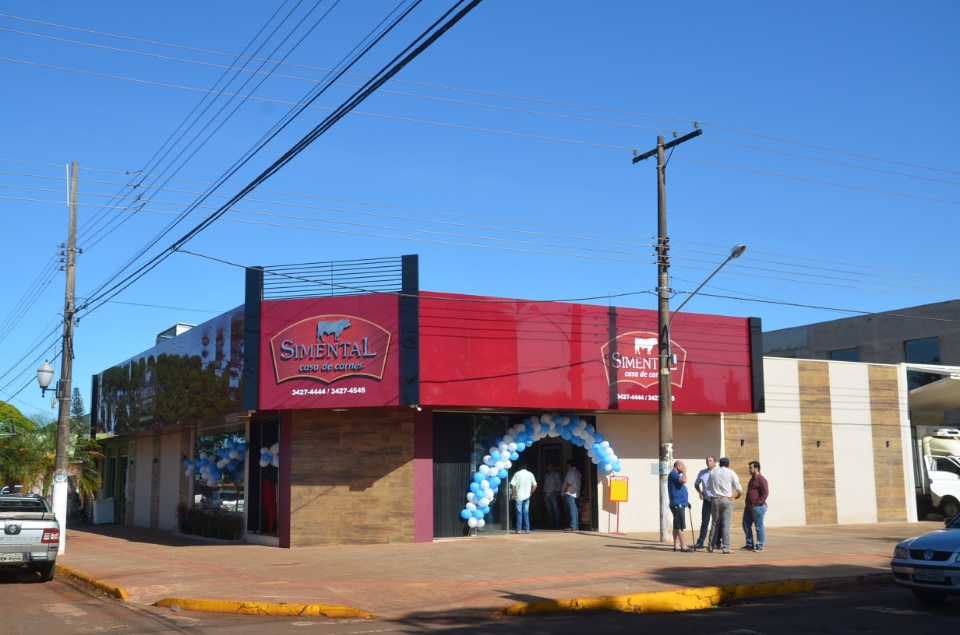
[[677, 489]]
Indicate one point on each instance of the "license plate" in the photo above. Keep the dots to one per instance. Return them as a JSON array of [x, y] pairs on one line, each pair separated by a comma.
[[11, 557], [928, 575]]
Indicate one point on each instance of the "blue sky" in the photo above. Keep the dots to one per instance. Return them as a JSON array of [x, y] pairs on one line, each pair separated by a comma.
[[501, 155]]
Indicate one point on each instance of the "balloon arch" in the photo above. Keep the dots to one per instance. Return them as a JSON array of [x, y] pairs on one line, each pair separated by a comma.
[[518, 438]]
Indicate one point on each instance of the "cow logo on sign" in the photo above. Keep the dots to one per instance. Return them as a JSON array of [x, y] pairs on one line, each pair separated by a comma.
[[327, 348], [634, 358]]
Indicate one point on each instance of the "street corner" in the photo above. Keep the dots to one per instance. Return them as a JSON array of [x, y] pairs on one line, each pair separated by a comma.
[[263, 608], [107, 587]]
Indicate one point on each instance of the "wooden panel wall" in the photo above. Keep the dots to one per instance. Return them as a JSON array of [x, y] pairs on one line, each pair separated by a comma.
[[816, 427], [352, 477], [887, 447], [736, 428]]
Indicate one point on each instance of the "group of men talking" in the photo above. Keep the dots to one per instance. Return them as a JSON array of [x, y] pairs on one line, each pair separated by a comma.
[[718, 486]]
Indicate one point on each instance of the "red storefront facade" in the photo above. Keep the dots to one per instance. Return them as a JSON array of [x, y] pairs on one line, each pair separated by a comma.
[[378, 406]]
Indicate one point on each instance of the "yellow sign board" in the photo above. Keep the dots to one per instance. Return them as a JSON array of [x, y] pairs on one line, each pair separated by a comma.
[[618, 489]]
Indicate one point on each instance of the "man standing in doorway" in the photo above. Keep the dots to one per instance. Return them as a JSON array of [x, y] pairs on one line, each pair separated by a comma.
[[522, 486], [701, 486], [724, 487], [571, 492], [551, 492], [755, 507]]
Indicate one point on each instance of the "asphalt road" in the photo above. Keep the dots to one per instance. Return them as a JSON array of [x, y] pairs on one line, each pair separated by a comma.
[[30, 607]]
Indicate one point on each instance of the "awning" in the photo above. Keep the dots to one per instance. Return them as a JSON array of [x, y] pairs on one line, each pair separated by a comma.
[[939, 396]]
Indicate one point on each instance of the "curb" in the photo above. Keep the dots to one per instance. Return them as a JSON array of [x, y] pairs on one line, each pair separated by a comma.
[[262, 608], [108, 588], [691, 599]]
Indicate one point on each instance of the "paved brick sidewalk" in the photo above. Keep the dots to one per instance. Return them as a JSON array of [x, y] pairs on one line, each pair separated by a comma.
[[481, 575]]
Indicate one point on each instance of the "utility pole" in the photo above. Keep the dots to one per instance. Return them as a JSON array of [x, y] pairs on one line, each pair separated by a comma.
[[64, 390], [663, 327]]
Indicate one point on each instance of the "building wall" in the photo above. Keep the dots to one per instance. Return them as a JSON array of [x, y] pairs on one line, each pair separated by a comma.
[[833, 444], [879, 336], [168, 494], [352, 477]]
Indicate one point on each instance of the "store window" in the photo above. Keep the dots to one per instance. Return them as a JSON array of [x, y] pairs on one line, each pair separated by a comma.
[[922, 351], [845, 355], [219, 470]]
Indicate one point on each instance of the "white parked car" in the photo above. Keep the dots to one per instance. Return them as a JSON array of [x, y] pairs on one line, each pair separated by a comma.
[[929, 565]]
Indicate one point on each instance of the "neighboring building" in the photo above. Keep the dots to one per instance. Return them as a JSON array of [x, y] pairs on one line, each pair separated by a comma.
[[345, 405], [927, 335]]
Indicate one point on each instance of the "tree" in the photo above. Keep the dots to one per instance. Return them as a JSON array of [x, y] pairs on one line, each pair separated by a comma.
[[21, 456]]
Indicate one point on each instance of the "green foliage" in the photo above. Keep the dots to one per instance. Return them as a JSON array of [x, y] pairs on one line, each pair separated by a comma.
[[209, 523], [12, 420]]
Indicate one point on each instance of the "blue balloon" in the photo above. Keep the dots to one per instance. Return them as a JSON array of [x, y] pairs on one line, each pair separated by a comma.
[[574, 420], [616, 466], [475, 487], [590, 429], [478, 477], [494, 482], [598, 438], [478, 514], [266, 456], [502, 474], [486, 510], [521, 446], [514, 456], [495, 455], [466, 514]]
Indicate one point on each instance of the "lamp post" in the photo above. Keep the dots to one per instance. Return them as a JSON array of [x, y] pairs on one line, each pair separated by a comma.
[[45, 372], [665, 319]]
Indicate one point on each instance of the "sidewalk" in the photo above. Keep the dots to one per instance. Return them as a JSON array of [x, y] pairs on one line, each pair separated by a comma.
[[541, 571]]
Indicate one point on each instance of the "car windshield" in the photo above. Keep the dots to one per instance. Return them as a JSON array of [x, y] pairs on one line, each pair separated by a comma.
[[955, 523]]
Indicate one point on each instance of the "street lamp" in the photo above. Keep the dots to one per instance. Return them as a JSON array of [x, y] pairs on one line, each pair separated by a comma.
[[666, 389], [44, 377]]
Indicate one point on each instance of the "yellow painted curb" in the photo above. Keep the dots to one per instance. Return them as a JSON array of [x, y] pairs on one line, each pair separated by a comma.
[[108, 588], [263, 608], [685, 599]]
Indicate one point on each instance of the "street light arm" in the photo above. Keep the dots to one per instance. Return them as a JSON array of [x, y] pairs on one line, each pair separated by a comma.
[[736, 252]]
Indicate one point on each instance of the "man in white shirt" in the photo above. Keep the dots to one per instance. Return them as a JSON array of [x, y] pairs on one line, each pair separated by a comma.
[[571, 491], [701, 486], [522, 486], [723, 487]]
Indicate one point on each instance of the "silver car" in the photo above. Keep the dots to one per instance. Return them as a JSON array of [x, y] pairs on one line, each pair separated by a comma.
[[929, 565]]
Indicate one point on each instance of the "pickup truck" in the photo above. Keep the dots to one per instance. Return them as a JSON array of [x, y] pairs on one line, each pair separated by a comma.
[[29, 534]]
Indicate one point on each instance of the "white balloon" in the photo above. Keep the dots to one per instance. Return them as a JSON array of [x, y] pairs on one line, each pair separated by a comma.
[[481, 523], [564, 421], [605, 444], [484, 484], [264, 463], [590, 440], [613, 458], [513, 447], [488, 494], [471, 497], [488, 460], [504, 448], [471, 506], [233, 454], [203, 455], [472, 522], [483, 503], [596, 460], [507, 465], [484, 470], [508, 439], [498, 465], [536, 426], [264, 450], [275, 460], [275, 448]]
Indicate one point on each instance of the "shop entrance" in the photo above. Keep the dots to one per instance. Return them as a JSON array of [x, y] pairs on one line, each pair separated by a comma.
[[460, 441]]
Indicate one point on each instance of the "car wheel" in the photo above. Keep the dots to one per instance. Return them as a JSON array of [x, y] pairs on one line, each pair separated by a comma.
[[929, 597], [949, 508], [47, 569]]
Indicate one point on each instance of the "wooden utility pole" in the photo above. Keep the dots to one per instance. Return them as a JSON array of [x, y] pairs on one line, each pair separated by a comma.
[[663, 328], [64, 389]]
